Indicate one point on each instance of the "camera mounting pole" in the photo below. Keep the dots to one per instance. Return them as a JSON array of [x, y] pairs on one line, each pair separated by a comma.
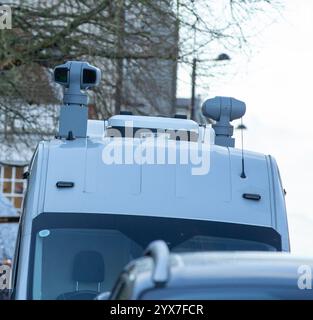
[[75, 76]]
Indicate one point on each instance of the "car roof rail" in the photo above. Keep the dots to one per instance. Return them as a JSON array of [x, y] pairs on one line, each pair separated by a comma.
[[159, 252]]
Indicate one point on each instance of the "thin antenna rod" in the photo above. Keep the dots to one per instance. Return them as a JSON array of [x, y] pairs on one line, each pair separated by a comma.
[[243, 174]]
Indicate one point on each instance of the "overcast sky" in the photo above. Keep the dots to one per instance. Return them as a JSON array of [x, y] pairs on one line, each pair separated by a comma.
[[277, 86]]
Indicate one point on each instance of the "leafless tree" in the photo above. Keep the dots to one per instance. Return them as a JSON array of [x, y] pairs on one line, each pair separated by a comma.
[[137, 44]]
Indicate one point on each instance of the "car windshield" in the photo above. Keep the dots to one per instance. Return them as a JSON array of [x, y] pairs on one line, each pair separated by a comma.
[[75, 256]]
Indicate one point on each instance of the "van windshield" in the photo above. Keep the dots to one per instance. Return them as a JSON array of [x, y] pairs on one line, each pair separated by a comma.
[[76, 256]]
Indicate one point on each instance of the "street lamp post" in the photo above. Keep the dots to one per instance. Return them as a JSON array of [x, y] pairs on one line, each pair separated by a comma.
[[193, 89], [220, 57]]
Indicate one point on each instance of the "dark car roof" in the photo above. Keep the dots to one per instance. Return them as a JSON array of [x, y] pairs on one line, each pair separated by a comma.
[[209, 268]]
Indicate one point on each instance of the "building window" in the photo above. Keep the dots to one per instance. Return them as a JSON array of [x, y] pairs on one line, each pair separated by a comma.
[[12, 184]]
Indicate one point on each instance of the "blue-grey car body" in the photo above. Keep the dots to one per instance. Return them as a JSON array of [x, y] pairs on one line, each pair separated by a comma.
[[219, 275]]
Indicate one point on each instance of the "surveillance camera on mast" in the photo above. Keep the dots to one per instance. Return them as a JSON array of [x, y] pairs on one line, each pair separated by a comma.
[[224, 110], [75, 76]]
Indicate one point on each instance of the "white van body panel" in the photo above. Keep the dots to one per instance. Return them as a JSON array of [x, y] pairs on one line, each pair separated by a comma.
[[161, 190]]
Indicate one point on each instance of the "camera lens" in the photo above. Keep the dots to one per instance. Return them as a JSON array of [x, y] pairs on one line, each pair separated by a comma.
[[60, 75], [89, 76]]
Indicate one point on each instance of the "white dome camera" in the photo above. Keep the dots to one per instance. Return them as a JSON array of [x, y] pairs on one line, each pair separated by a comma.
[[223, 110]]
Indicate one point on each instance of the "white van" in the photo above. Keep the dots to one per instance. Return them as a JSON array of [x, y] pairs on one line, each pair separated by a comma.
[[98, 196]]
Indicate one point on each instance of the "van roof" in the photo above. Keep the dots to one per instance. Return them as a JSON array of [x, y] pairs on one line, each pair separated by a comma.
[[168, 190]]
